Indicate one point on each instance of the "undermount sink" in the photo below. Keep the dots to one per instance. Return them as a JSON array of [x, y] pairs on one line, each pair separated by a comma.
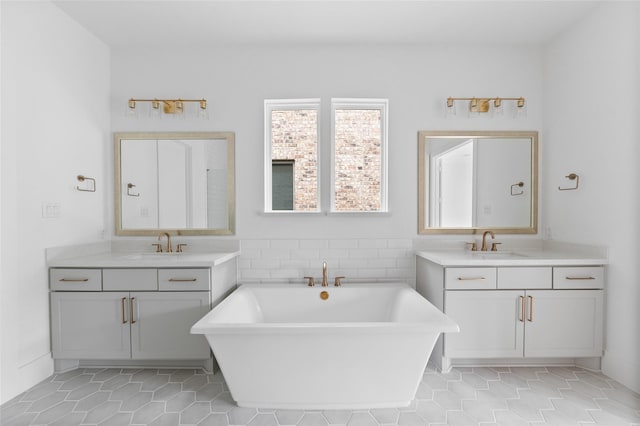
[[497, 254], [139, 256]]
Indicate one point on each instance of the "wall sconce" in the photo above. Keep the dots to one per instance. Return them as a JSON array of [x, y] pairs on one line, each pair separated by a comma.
[[171, 107], [479, 106]]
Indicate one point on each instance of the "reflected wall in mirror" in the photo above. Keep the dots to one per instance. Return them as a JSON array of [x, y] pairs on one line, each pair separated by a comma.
[[474, 181], [182, 183]]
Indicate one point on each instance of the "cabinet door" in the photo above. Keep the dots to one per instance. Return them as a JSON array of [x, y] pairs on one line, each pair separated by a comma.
[[490, 324], [161, 324], [564, 323], [90, 325]]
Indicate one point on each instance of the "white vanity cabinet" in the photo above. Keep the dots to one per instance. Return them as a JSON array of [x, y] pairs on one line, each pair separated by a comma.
[[516, 312], [110, 314]]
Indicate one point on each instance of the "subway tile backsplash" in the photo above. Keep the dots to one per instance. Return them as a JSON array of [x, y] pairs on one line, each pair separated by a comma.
[[359, 260]]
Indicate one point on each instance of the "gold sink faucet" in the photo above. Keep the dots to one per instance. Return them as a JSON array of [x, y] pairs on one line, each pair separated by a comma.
[[484, 239], [169, 248]]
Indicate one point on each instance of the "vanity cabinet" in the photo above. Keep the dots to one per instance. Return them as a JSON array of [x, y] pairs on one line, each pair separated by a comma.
[[531, 323], [516, 312], [133, 313]]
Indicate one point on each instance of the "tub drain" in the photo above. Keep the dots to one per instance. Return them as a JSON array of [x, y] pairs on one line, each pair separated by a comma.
[[324, 295]]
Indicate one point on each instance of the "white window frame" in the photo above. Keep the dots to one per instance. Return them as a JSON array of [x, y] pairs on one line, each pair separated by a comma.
[[363, 104], [271, 105]]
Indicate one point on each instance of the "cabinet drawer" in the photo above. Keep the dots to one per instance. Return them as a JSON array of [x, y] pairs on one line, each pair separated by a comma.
[[183, 279], [470, 278], [130, 279], [524, 278], [586, 277], [75, 279]]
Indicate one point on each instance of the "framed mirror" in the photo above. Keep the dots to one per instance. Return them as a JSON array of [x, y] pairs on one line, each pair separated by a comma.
[[181, 183], [469, 182]]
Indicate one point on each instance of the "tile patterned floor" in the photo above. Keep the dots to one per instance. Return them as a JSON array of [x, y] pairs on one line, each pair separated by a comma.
[[466, 396]]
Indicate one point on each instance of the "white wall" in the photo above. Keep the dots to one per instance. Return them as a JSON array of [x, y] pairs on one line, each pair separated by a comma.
[[591, 128], [416, 80], [55, 125]]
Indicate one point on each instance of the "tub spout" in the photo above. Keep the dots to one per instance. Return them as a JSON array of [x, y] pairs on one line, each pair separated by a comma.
[[325, 282]]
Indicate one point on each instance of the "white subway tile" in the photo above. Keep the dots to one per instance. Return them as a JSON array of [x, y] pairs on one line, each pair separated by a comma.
[[265, 263], [364, 253], [395, 253], [381, 263], [305, 254], [253, 244], [314, 244], [285, 274], [294, 264], [400, 243], [249, 274], [373, 273], [407, 263], [285, 244], [334, 253], [275, 253], [372, 243], [341, 244], [400, 273], [352, 263], [250, 254]]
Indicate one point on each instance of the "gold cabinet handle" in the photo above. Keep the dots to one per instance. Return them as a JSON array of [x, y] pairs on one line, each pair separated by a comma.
[[521, 317], [131, 310], [73, 280], [530, 319], [182, 280], [579, 278], [124, 320], [471, 278]]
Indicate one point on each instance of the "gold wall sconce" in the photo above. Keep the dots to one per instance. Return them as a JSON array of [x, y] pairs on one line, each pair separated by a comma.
[[171, 107], [479, 106]]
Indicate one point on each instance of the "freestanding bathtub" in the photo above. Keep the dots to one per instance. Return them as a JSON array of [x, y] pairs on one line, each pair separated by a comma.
[[292, 346]]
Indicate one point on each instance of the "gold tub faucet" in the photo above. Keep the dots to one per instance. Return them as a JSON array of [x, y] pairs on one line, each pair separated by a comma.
[[325, 282]]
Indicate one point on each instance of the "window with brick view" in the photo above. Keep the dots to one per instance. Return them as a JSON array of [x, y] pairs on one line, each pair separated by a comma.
[[359, 155], [293, 142]]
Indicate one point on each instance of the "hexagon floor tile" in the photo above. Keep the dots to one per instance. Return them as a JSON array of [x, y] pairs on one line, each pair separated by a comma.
[[483, 396]]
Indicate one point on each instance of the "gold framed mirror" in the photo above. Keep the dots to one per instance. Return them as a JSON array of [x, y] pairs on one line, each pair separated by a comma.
[[177, 182], [472, 181]]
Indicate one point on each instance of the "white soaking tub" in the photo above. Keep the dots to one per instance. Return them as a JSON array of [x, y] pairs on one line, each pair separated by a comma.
[[297, 347]]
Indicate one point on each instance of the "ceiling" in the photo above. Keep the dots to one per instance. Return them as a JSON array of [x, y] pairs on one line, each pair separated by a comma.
[[225, 22]]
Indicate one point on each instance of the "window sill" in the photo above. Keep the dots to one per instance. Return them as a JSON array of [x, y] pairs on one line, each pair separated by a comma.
[[322, 213]]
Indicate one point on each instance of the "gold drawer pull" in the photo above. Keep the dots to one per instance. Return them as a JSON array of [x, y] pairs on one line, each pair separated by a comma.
[[530, 308], [73, 280], [471, 278], [182, 280], [131, 301], [521, 317], [124, 320], [579, 278]]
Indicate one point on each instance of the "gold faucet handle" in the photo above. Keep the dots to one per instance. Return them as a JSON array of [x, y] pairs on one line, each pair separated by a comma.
[[494, 246], [158, 247], [338, 282], [474, 246], [179, 249], [310, 281]]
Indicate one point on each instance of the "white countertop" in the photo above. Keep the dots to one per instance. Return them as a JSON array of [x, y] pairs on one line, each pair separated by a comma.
[[144, 260], [513, 258]]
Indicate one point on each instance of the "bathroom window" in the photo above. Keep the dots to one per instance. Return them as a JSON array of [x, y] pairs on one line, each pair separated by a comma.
[[359, 155], [291, 155]]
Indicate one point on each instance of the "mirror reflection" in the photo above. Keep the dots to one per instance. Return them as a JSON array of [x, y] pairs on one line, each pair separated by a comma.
[[177, 182], [474, 181]]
